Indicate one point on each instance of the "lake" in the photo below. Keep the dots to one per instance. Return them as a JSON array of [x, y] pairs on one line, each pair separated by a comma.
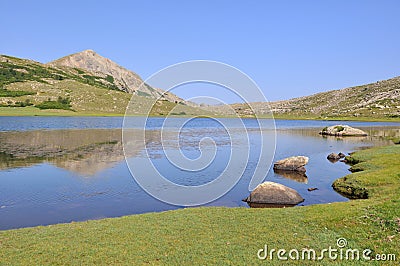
[[63, 169]]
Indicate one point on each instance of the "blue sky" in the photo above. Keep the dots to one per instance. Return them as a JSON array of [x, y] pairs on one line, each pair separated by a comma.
[[289, 48]]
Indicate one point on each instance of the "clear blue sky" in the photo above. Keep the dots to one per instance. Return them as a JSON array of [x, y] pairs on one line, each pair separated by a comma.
[[290, 48]]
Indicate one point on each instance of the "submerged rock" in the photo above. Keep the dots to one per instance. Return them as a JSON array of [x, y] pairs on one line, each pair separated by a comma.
[[295, 163], [333, 157], [270, 194], [342, 130]]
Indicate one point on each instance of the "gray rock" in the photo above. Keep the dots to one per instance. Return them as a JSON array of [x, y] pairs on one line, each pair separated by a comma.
[[295, 163], [342, 130], [270, 194]]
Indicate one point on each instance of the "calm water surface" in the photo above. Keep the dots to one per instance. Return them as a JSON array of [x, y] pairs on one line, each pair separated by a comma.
[[64, 169]]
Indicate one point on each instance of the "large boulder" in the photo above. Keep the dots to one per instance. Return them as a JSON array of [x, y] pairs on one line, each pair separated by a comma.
[[342, 130], [295, 163], [270, 194]]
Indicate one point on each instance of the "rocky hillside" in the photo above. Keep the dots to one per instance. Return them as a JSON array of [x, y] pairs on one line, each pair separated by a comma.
[[28, 87], [121, 77], [375, 100]]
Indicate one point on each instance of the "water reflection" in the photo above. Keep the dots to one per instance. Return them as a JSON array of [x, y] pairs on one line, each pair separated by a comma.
[[293, 175], [82, 151], [53, 176]]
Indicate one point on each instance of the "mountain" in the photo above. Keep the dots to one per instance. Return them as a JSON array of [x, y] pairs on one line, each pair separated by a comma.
[[380, 99], [121, 77], [31, 88]]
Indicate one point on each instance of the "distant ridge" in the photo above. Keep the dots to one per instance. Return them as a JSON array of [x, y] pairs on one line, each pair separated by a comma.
[[375, 100]]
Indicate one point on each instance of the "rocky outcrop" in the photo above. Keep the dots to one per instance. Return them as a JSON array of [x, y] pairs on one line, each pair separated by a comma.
[[270, 194], [295, 163], [342, 130]]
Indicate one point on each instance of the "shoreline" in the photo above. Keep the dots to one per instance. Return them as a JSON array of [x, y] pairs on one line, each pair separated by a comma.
[[31, 112], [116, 217]]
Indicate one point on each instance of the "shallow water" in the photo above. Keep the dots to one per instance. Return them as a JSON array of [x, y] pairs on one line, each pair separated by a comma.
[[64, 169]]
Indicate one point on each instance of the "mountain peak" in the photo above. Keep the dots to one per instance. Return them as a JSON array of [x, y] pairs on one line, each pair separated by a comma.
[[89, 60], [88, 52], [123, 78]]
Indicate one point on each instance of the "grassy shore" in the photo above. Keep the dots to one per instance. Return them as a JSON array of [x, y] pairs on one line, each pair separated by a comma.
[[33, 111], [226, 236]]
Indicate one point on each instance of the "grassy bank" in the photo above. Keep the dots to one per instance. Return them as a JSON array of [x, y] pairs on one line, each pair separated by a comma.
[[226, 236], [33, 111]]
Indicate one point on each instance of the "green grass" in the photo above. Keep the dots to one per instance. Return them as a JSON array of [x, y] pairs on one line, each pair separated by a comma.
[[93, 110], [33, 111], [53, 105], [225, 236], [61, 103]]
